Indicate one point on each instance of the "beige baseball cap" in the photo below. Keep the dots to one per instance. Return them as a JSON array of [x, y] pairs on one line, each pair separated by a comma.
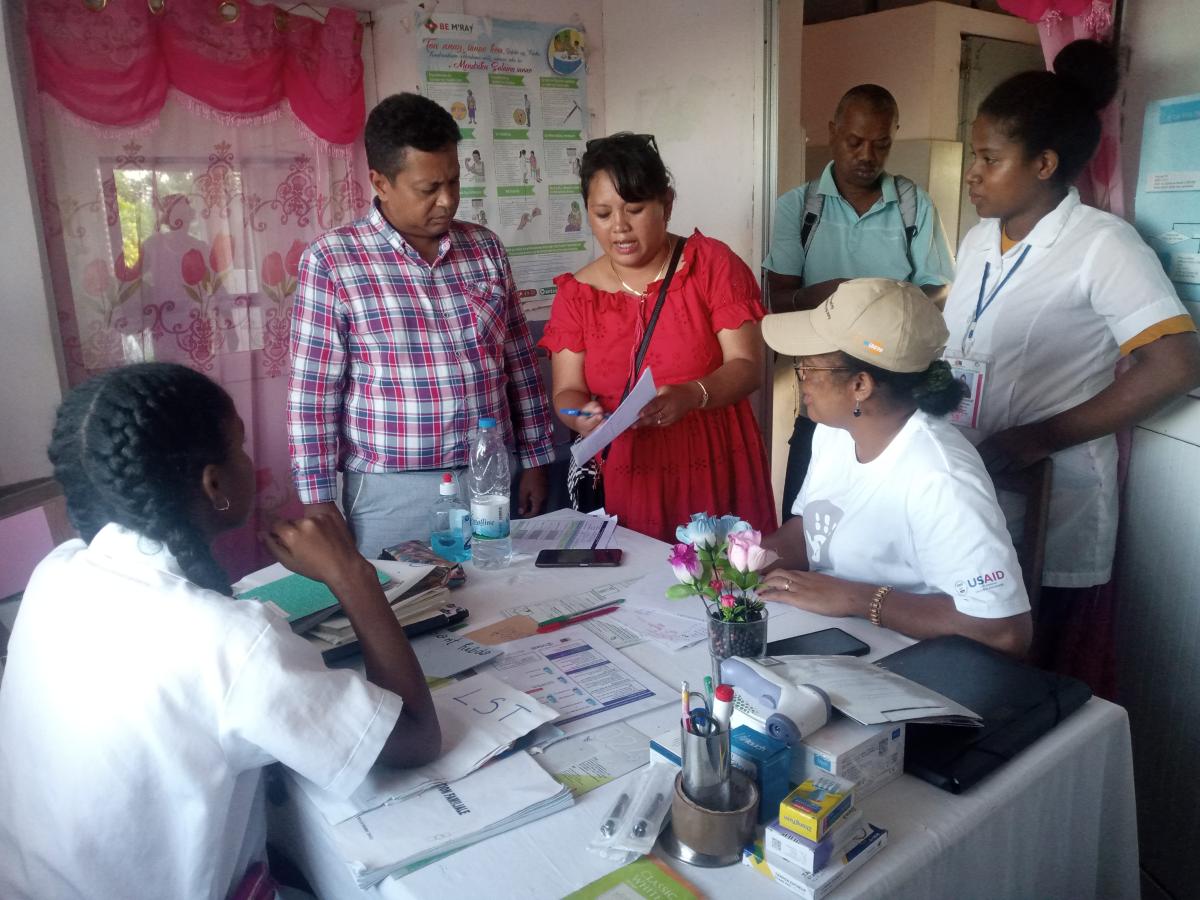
[[889, 324]]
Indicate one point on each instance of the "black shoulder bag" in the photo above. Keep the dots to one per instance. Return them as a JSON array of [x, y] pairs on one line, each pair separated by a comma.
[[585, 485]]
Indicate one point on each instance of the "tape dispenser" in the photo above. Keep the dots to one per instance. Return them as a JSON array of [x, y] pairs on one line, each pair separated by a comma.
[[768, 701]]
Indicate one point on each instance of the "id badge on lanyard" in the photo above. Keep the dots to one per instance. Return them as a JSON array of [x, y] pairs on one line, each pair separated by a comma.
[[971, 373], [971, 369]]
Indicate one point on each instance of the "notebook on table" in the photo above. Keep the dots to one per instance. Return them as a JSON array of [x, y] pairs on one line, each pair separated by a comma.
[[1018, 703]]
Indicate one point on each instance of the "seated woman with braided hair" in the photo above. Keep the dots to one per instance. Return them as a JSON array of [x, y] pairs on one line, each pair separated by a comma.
[[897, 520], [141, 702]]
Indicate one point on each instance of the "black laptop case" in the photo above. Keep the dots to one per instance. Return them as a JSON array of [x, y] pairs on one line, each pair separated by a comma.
[[1018, 704]]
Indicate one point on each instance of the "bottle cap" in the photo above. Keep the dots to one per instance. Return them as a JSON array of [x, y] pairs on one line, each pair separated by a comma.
[[724, 693], [487, 422], [447, 488]]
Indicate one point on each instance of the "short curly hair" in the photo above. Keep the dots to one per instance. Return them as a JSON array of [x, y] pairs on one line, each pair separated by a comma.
[[402, 121], [130, 447]]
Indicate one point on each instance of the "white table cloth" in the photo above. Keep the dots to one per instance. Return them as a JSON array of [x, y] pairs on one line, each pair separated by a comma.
[[1057, 822]]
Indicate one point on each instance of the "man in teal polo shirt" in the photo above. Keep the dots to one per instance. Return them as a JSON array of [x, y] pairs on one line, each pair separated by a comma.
[[852, 223]]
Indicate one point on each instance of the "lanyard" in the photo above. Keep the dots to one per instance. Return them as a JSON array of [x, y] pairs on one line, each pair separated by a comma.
[[981, 305]]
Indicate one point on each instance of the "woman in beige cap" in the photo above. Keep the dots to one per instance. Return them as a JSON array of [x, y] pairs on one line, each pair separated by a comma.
[[897, 521]]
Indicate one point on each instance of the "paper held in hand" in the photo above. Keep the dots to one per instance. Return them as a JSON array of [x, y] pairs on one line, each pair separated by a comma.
[[620, 420]]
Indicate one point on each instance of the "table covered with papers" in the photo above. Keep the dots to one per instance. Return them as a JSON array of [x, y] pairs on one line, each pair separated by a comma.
[[1058, 821]]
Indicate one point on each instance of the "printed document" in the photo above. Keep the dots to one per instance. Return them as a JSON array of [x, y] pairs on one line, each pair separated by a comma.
[[618, 421], [480, 718], [608, 628], [589, 683]]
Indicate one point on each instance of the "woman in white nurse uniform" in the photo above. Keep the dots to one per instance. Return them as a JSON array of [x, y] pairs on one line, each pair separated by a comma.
[[1049, 295]]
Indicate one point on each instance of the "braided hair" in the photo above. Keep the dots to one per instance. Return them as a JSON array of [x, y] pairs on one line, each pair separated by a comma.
[[934, 389], [130, 447]]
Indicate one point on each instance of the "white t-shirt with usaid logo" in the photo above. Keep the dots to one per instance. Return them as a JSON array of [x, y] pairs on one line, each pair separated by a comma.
[[922, 517]]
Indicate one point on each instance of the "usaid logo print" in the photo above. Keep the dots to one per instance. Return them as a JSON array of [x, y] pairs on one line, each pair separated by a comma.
[[984, 582]]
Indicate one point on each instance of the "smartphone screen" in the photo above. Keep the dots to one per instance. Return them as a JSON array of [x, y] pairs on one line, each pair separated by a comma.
[[829, 642], [559, 558]]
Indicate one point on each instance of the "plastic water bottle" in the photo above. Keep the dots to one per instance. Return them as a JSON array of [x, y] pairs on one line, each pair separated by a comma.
[[450, 519], [491, 545]]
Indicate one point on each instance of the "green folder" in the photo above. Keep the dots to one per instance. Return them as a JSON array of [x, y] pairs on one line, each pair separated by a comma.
[[304, 601]]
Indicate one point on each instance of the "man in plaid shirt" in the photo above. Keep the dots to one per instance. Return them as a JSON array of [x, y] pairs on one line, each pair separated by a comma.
[[406, 330]]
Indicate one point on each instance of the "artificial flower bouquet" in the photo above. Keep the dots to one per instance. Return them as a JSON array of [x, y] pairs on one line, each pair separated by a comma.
[[718, 560]]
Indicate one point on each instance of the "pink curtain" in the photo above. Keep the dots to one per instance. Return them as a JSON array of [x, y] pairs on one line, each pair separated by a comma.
[[1060, 22], [174, 219], [117, 66]]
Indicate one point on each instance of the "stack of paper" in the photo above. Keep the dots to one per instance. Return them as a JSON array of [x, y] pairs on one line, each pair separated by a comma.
[[480, 717], [337, 630], [400, 838]]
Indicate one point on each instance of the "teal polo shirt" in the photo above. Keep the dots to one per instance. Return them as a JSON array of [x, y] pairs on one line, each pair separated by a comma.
[[846, 245]]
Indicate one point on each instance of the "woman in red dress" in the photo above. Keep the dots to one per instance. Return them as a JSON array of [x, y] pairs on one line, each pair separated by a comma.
[[696, 447]]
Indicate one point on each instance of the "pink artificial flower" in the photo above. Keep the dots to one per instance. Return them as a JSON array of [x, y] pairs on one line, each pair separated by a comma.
[[728, 601], [96, 278], [745, 551], [220, 257], [293, 258], [685, 563], [273, 272], [192, 267], [124, 272]]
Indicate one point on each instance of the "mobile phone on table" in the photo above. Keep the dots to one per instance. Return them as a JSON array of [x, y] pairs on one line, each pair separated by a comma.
[[828, 642], [557, 559]]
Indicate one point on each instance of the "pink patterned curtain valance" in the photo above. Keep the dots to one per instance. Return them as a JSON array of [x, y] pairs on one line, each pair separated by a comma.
[[115, 67]]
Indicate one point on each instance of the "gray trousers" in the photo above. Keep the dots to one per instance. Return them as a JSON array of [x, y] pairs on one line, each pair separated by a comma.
[[386, 508]]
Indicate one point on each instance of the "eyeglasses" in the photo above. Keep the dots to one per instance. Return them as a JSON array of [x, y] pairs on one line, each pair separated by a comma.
[[596, 143], [801, 370]]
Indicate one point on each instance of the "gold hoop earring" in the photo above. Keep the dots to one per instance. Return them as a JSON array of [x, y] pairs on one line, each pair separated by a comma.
[[222, 508]]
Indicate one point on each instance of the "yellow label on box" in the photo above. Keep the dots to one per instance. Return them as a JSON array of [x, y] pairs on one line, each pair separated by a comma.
[[812, 808]]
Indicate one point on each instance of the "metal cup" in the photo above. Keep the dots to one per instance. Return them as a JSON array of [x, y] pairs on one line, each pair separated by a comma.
[[706, 768]]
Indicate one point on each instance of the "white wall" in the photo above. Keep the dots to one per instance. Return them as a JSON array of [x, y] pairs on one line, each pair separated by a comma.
[[914, 52], [1156, 567], [30, 378], [690, 72]]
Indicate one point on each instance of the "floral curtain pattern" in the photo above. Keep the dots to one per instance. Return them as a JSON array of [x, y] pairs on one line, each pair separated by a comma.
[[1060, 22], [181, 243]]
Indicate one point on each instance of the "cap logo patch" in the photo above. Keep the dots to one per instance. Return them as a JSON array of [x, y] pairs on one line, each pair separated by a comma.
[[873, 347]]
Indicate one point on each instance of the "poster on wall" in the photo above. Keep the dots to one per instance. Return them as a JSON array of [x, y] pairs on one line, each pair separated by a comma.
[[518, 91], [1168, 192]]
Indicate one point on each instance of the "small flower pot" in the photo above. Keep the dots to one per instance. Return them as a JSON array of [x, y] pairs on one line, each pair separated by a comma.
[[746, 639]]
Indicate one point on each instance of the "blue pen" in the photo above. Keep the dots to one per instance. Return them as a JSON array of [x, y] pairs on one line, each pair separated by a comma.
[[579, 412]]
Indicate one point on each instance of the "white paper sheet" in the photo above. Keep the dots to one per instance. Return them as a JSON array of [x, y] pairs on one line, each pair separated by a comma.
[[401, 837], [588, 682], [443, 654], [586, 761], [532, 535], [608, 628], [618, 421], [871, 695], [480, 718], [673, 632]]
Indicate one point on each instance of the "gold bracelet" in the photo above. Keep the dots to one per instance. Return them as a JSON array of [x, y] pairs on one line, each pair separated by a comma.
[[873, 614], [704, 399]]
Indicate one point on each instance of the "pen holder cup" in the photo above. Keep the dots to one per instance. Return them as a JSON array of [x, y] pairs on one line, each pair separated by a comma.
[[710, 837], [706, 765]]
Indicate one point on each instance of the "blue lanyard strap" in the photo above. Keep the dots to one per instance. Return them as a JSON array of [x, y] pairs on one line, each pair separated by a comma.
[[981, 305]]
